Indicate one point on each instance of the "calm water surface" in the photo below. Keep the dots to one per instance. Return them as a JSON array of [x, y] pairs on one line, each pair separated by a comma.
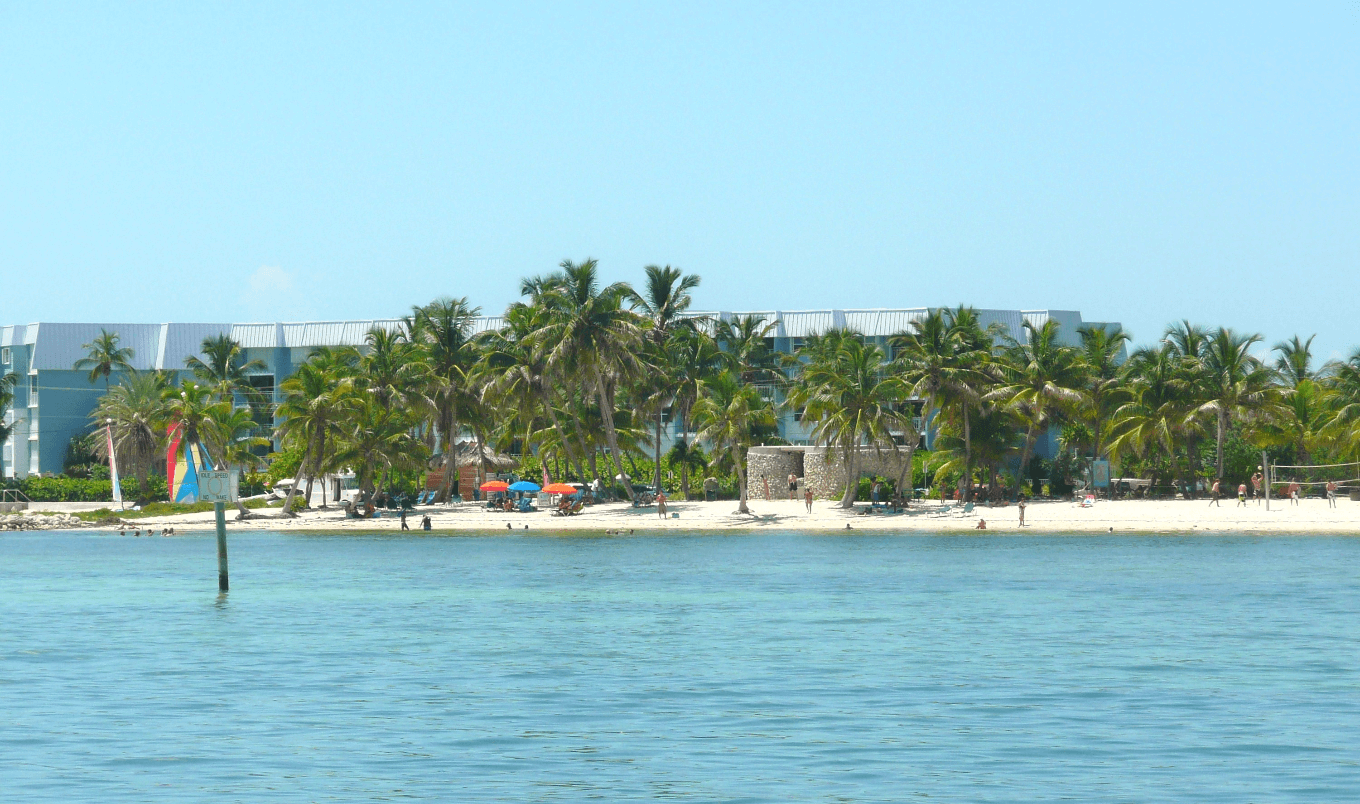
[[767, 668]]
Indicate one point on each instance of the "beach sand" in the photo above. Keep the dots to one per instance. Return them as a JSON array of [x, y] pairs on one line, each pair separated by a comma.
[[1041, 516]]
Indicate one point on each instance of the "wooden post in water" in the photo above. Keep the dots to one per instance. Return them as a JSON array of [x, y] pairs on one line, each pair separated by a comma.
[[221, 510]]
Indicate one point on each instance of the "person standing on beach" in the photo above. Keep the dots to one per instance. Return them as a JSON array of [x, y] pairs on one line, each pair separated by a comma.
[[1256, 485], [1331, 493], [807, 498], [1294, 493], [1242, 495], [1215, 494], [404, 526], [793, 485], [1021, 506], [661, 503]]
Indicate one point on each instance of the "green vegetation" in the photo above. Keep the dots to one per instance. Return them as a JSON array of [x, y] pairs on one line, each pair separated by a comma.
[[581, 379], [157, 509]]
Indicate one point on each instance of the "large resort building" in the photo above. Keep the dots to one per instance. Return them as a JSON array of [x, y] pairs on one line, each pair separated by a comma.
[[53, 400]]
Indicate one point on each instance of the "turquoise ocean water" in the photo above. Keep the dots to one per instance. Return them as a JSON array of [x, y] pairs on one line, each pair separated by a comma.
[[767, 668]]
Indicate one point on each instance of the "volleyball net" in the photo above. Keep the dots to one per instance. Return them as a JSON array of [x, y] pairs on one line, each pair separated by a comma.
[[1312, 479]]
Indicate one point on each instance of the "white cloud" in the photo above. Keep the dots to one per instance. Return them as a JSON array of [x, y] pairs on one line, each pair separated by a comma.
[[273, 294]]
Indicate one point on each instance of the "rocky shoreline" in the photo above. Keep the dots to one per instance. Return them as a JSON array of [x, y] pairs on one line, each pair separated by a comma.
[[26, 521]]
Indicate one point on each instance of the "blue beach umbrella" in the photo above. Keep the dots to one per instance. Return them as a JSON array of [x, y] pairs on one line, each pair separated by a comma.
[[524, 485]]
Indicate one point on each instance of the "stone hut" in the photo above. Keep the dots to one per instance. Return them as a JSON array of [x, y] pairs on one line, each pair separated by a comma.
[[817, 468]]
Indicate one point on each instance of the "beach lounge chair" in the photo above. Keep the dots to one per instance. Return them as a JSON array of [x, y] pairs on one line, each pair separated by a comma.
[[967, 509], [943, 510], [1089, 501], [574, 508]]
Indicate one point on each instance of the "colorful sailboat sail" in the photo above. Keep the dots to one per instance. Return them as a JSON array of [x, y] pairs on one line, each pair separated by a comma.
[[113, 467], [175, 467]]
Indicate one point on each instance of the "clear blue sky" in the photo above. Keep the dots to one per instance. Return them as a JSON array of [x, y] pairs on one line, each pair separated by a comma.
[[229, 161]]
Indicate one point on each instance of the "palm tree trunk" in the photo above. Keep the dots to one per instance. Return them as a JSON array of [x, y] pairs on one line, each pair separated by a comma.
[[1030, 435], [481, 455], [851, 477], [292, 490], [967, 453], [741, 484], [906, 475], [587, 456], [450, 456], [612, 436], [317, 466], [684, 439], [561, 436], [656, 483], [1222, 428]]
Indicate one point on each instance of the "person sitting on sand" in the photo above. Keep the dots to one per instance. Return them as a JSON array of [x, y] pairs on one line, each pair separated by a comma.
[[982, 524]]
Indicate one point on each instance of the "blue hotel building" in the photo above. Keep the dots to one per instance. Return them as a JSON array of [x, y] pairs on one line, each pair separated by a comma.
[[53, 400]]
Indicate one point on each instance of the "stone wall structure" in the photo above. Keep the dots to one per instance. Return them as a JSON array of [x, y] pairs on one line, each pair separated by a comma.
[[817, 468]]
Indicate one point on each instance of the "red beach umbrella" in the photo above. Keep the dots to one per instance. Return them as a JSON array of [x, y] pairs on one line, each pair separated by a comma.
[[495, 485], [559, 488]]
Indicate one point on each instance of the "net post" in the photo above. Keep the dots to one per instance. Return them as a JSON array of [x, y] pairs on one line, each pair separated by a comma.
[[1265, 476]]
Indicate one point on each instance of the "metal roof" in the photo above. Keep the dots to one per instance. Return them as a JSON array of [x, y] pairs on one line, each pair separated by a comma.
[[165, 346]]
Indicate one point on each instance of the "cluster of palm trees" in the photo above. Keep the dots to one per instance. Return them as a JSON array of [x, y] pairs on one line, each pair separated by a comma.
[[581, 374], [585, 376], [147, 408]]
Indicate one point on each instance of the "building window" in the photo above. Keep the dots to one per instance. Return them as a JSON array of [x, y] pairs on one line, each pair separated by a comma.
[[798, 414], [33, 390], [4, 356]]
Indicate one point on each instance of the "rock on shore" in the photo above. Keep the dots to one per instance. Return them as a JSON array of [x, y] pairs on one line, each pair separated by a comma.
[[27, 521]]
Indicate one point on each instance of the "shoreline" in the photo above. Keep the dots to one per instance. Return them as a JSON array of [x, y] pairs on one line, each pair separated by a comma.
[[1151, 517]]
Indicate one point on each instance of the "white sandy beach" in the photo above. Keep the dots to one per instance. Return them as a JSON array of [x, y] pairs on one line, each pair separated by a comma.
[[1121, 516]]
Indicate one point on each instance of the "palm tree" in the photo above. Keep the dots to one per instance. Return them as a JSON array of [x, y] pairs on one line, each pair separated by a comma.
[[588, 328], [233, 441], [851, 400], [943, 360], [667, 296], [392, 370], [744, 341], [378, 441], [1237, 384], [1040, 379], [1100, 349], [726, 412], [1342, 400], [224, 371], [694, 358], [444, 329], [1295, 363], [1153, 416], [104, 356], [135, 410], [313, 403]]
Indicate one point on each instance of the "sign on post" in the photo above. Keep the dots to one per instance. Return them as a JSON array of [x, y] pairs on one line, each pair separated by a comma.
[[1100, 474], [219, 487]]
